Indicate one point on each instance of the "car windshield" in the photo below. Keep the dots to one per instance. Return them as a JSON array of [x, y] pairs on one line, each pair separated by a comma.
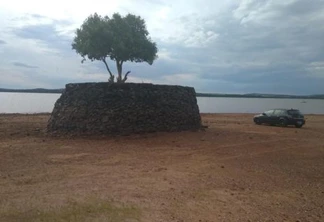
[[269, 112]]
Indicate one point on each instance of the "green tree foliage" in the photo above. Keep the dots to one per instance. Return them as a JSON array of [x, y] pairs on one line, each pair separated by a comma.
[[118, 38]]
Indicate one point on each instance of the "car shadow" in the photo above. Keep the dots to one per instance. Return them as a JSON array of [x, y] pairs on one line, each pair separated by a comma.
[[288, 127]]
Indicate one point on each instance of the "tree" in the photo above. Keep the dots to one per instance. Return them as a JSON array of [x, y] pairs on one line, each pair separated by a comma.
[[118, 38]]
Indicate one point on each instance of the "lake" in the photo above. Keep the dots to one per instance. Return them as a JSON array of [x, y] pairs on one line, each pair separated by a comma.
[[43, 102]]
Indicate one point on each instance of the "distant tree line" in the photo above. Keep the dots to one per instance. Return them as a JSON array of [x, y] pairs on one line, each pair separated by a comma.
[[257, 95], [38, 90], [251, 95]]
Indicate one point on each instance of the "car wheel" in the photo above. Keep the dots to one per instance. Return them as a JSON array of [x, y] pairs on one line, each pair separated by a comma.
[[257, 121], [283, 122], [298, 125]]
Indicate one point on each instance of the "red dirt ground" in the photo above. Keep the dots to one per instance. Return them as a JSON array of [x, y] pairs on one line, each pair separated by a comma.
[[233, 171]]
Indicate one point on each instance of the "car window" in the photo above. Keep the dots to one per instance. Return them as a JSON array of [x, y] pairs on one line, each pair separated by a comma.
[[269, 113], [294, 112], [279, 112]]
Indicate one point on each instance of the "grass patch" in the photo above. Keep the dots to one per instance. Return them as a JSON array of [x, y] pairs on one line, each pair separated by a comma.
[[75, 212]]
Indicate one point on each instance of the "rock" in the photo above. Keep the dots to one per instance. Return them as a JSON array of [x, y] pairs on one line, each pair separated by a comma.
[[124, 109]]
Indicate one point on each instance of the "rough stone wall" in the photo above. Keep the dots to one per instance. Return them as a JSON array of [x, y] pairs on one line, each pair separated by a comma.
[[100, 108]]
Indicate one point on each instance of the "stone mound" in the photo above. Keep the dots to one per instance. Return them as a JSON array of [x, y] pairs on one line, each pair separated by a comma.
[[102, 108]]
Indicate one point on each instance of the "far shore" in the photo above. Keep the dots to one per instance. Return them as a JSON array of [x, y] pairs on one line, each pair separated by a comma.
[[202, 114], [198, 94]]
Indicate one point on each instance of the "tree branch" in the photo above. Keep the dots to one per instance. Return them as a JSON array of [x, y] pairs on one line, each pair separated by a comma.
[[125, 77], [111, 75]]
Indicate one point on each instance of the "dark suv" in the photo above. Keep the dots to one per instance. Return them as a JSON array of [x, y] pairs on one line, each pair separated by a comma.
[[281, 117]]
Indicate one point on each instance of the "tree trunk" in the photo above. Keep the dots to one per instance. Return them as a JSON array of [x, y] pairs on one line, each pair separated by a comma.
[[119, 65]]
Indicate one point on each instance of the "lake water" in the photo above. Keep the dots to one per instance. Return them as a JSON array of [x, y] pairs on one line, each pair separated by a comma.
[[43, 102]]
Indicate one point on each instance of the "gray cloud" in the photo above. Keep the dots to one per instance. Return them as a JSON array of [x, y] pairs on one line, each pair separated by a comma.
[[2, 42], [27, 17], [42, 32], [45, 33], [37, 16], [273, 50], [19, 64], [256, 46]]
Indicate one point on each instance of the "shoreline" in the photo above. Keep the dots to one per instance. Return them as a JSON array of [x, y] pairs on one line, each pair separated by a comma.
[[202, 114], [205, 95]]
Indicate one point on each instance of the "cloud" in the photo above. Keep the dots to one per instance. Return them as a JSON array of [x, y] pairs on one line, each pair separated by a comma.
[[11, 78], [265, 11], [267, 48], [19, 64], [233, 46], [45, 34], [38, 16]]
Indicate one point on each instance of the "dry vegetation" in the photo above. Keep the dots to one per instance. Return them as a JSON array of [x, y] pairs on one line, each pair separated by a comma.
[[234, 171]]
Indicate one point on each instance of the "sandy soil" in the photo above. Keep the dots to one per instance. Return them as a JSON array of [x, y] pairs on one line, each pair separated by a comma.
[[234, 171]]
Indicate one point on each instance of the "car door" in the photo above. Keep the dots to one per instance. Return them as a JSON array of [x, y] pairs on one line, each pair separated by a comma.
[[267, 117], [276, 116]]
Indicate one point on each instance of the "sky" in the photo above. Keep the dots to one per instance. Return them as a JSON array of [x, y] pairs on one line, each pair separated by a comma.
[[221, 46]]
